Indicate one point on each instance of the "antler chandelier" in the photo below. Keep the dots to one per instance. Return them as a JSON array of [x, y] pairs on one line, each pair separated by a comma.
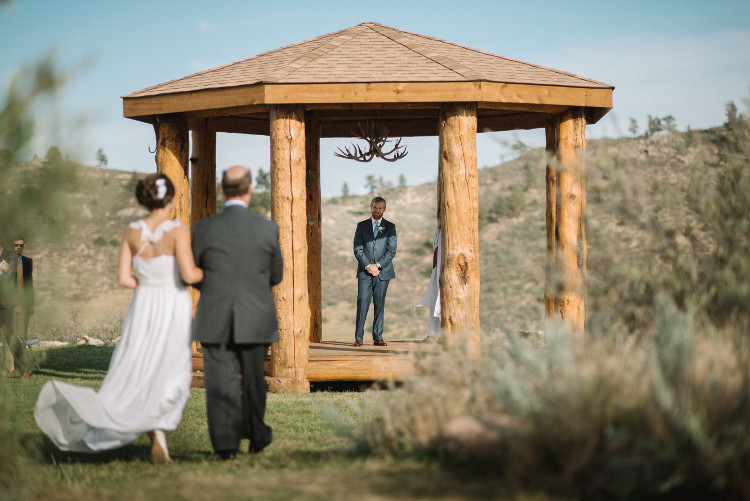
[[376, 138]]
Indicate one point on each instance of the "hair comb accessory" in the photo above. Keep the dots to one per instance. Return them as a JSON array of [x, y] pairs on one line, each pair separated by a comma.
[[161, 188]]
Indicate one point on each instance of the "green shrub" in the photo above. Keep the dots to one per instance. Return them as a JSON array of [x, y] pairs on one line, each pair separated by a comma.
[[500, 206], [516, 200]]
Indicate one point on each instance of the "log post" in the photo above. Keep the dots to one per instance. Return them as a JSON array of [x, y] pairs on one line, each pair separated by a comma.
[[570, 244], [202, 181], [550, 282], [314, 229], [288, 208], [172, 160], [459, 220]]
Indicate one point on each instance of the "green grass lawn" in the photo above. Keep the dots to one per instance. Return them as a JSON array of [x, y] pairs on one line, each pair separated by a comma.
[[312, 457]]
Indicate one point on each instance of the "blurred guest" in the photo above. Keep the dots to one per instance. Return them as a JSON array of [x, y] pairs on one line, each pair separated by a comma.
[[8, 302], [25, 287]]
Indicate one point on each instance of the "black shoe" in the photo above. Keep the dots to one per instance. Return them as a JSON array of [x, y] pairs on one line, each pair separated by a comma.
[[379, 342], [258, 445], [227, 455]]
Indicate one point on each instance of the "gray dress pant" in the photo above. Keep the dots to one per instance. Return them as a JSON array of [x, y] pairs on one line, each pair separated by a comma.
[[235, 408], [370, 289]]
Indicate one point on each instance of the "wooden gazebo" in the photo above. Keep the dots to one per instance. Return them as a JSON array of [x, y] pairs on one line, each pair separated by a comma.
[[416, 86]]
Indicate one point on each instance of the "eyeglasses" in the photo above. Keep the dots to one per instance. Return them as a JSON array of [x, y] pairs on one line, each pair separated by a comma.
[[18, 245]]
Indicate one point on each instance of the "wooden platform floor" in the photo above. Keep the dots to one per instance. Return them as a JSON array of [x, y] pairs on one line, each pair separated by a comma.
[[340, 361]]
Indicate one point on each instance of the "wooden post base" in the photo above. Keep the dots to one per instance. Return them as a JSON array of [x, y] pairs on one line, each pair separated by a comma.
[[287, 385]]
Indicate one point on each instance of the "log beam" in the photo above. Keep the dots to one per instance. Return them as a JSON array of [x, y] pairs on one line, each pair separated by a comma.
[[314, 228], [288, 208], [459, 219], [172, 160], [143, 104], [570, 242]]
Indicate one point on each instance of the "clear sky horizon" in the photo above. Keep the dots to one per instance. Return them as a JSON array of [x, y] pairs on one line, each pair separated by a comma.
[[683, 58]]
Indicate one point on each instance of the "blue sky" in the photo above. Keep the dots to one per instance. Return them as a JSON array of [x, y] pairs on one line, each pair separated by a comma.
[[684, 58]]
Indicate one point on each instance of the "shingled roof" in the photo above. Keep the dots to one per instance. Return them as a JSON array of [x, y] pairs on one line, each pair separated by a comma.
[[372, 72], [367, 53]]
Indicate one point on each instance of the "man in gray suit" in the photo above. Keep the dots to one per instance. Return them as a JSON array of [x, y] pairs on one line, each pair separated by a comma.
[[374, 248], [235, 320]]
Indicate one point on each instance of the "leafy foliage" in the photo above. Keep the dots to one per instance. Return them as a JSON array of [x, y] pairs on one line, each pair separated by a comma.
[[260, 203], [101, 158], [34, 201]]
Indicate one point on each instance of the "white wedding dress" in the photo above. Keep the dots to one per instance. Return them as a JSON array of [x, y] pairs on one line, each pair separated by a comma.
[[148, 381], [432, 293]]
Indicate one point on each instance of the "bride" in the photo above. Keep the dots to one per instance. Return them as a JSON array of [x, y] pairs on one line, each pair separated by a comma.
[[148, 380]]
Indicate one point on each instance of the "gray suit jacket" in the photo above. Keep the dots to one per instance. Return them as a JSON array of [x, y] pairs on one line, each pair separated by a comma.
[[241, 258], [369, 249]]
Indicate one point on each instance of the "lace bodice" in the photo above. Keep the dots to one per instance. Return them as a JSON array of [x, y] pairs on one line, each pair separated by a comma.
[[159, 270], [147, 236]]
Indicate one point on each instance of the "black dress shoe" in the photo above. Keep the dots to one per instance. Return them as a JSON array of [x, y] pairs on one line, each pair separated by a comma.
[[258, 445], [358, 343], [226, 455], [380, 342]]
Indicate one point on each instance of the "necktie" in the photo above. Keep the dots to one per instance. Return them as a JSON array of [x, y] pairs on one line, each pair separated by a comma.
[[375, 230], [19, 276]]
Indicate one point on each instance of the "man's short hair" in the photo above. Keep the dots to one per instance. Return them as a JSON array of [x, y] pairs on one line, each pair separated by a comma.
[[236, 186], [378, 200]]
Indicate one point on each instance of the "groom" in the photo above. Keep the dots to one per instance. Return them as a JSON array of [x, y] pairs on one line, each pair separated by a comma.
[[235, 320], [374, 248]]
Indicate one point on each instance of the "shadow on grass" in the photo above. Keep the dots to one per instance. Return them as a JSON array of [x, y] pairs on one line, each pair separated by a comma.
[[79, 362], [51, 455], [350, 386]]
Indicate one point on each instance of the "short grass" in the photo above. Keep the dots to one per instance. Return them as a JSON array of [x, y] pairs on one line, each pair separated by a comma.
[[312, 457]]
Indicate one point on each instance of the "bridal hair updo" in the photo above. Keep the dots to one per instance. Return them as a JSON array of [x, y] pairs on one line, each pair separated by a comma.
[[154, 191]]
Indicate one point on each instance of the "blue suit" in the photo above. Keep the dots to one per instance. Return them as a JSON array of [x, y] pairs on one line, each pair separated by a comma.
[[370, 249]]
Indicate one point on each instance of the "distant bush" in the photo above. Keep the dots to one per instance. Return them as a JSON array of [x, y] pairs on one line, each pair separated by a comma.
[[132, 182], [511, 205], [260, 203], [424, 249], [516, 200], [53, 156], [100, 241], [500, 206], [529, 177]]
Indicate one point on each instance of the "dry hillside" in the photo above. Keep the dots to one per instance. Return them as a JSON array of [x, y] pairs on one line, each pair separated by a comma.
[[76, 278]]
